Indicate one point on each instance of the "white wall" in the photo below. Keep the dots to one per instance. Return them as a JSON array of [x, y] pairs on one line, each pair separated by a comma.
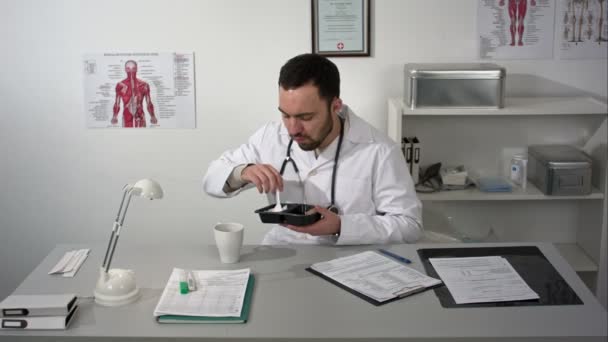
[[61, 182]]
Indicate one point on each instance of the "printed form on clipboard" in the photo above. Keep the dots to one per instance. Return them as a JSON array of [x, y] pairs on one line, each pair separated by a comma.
[[373, 277]]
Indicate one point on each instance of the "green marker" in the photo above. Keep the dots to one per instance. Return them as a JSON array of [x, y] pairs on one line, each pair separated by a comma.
[[183, 283]]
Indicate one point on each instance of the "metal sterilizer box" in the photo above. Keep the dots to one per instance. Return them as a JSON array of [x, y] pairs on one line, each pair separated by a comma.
[[462, 85], [559, 169]]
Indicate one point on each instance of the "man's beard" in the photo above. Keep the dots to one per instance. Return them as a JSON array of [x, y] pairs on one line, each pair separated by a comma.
[[314, 144]]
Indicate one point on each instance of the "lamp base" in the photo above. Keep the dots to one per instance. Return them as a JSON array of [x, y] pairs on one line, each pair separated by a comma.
[[116, 287]]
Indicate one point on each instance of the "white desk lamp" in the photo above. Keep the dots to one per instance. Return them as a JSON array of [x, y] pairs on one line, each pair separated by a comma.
[[117, 286]]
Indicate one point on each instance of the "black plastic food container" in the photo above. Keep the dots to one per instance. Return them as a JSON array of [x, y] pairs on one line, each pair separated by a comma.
[[294, 214]]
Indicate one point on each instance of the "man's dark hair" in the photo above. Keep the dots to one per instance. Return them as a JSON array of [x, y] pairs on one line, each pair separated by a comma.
[[308, 67]]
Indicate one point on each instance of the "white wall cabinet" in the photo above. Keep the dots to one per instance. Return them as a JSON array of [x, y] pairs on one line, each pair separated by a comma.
[[483, 140]]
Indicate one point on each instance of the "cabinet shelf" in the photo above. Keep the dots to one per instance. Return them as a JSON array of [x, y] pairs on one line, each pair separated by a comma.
[[576, 257], [531, 193], [521, 106], [484, 139]]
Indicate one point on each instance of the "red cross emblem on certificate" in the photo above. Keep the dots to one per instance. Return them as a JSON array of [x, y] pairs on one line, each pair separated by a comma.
[[340, 46]]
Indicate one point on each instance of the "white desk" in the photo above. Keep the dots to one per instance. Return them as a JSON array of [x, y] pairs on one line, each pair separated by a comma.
[[291, 304]]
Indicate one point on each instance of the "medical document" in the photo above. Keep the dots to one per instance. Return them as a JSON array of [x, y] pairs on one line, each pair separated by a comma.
[[482, 279], [218, 294], [375, 275]]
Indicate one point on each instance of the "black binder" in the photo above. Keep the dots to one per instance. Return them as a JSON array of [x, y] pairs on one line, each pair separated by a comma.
[[528, 261]]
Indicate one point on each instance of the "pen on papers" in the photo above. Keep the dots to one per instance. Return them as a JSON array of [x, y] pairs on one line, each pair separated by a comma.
[[191, 281], [183, 282], [395, 256]]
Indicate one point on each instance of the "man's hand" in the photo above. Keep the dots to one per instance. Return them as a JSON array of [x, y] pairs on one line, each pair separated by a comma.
[[153, 119], [264, 176], [114, 120], [329, 224]]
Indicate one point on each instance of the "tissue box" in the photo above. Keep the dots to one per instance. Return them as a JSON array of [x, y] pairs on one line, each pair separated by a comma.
[[463, 85], [453, 175]]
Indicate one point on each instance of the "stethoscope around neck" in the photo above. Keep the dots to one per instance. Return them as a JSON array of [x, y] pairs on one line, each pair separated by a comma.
[[332, 207]]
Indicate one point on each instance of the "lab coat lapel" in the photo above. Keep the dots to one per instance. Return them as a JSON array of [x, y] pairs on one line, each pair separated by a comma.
[[356, 132], [304, 159], [327, 156]]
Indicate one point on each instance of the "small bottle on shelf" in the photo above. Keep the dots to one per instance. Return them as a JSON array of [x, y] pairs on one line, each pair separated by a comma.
[[519, 170]]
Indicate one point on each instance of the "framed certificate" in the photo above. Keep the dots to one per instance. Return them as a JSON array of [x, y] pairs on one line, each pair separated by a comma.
[[341, 27]]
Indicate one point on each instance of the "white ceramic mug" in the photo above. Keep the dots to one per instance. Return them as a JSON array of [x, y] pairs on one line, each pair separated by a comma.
[[229, 239]]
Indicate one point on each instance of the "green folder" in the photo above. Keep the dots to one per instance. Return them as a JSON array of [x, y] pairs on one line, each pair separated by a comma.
[[207, 319]]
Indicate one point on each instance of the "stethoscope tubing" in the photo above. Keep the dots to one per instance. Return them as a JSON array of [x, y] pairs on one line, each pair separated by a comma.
[[288, 159]]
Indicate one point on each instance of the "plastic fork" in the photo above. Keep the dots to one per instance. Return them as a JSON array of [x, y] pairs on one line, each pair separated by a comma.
[[277, 206]]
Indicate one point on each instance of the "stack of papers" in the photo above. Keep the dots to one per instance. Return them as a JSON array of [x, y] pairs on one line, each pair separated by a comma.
[[70, 263], [482, 279], [374, 277], [220, 297]]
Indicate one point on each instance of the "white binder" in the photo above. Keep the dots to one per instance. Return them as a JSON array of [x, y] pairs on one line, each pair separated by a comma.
[[38, 322], [37, 305], [416, 154], [406, 149]]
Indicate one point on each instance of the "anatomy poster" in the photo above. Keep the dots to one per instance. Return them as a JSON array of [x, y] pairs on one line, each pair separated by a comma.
[[516, 29], [582, 28], [139, 90]]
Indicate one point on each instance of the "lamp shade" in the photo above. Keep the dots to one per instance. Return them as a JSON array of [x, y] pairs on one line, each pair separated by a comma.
[[147, 188]]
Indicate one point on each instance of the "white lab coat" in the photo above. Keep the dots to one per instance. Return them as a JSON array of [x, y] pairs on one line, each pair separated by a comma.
[[374, 190]]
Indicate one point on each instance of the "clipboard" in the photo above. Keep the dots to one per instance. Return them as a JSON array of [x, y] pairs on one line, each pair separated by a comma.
[[528, 261], [419, 281], [364, 297]]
